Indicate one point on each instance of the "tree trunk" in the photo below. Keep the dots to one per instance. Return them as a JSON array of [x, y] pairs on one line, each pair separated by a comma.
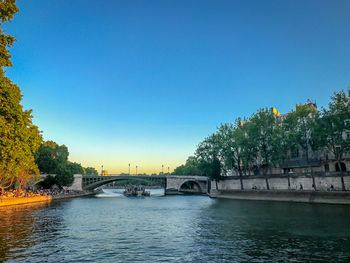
[[341, 176], [288, 181], [342, 181], [267, 182], [241, 179], [4, 187], [266, 179], [313, 180], [216, 182]]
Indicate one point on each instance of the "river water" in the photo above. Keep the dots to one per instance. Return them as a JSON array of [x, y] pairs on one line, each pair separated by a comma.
[[112, 228]]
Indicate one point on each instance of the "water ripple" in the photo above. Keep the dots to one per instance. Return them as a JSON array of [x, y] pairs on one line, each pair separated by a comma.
[[174, 229]]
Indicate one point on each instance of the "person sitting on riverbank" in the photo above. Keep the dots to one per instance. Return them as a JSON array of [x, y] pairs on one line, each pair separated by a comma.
[[17, 194]]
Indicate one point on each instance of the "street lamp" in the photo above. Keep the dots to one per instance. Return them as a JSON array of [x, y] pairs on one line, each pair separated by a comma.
[[101, 170], [168, 170], [136, 170], [162, 169], [129, 169]]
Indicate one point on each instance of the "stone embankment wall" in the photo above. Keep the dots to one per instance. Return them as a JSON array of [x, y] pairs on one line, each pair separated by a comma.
[[24, 200], [323, 181], [332, 197], [280, 190]]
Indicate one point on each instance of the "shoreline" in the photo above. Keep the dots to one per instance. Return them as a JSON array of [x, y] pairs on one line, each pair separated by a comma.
[[12, 201], [67, 196], [320, 197]]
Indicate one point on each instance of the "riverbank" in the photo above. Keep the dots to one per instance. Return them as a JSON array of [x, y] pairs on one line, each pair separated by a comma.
[[333, 197], [35, 199], [24, 200]]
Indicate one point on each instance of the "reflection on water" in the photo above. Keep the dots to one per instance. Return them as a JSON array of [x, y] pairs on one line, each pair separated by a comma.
[[23, 227], [119, 192], [174, 229]]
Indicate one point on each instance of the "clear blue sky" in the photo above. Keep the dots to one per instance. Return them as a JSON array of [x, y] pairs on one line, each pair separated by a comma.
[[143, 82]]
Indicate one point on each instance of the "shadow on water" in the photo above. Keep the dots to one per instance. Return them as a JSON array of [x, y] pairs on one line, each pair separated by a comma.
[[263, 231]]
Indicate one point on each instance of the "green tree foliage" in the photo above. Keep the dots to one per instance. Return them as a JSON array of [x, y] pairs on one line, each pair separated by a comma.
[[19, 138], [332, 131], [212, 169], [265, 136], [230, 139], [191, 167], [64, 177], [75, 168], [90, 171], [304, 120], [52, 158], [209, 157]]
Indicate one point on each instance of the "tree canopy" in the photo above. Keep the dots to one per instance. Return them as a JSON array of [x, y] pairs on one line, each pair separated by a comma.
[[52, 158], [19, 137]]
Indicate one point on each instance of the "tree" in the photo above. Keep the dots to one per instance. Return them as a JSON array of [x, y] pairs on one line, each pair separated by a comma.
[[191, 167], [51, 157], [265, 135], [304, 120], [19, 138], [90, 171], [231, 146], [248, 147], [75, 168], [289, 140], [64, 177], [207, 156], [213, 170], [333, 129]]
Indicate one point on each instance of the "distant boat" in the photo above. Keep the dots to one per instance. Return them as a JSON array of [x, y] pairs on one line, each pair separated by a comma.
[[133, 190]]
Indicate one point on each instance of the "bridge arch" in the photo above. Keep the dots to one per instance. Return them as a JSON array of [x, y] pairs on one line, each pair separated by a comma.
[[190, 185], [94, 185], [171, 183]]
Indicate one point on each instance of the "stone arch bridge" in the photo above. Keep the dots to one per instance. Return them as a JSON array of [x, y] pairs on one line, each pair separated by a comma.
[[172, 183]]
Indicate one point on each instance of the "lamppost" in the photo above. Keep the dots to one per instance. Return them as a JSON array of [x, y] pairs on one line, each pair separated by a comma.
[[101, 170], [168, 170], [136, 170], [162, 169], [129, 169]]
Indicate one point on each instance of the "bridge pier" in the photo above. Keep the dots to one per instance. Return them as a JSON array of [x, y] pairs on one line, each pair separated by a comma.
[[77, 183], [175, 182]]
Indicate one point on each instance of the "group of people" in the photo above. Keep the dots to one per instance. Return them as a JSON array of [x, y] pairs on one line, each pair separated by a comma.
[[28, 193], [18, 193]]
